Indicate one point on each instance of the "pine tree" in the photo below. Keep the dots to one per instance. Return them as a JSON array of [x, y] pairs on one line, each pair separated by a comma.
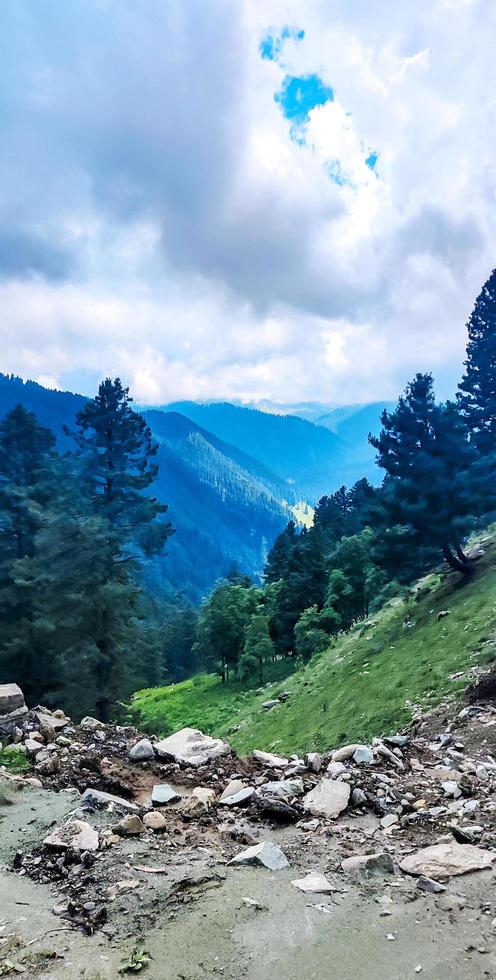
[[115, 457], [425, 452], [279, 556], [477, 389]]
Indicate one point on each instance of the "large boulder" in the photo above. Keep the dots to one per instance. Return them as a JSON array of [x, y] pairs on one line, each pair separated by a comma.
[[190, 747], [447, 860], [13, 709], [328, 799], [76, 834], [283, 787], [142, 751], [265, 855]]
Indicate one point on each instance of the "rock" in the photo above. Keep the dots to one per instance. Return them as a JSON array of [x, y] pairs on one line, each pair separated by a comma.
[[142, 751], [95, 799], [314, 761], [76, 834], [451, 789], [363, 755], [443, 613], [13, 710], [482, 773], [190, 747], [451, 903], [233, 787], [336, 769], [389, 820], [447, 860], [430, 885], [122, 887], [277, 808], [47, 767], [283, 787], [52, 721], [33, 747], [155, 821], [398, 741], [314, 883], [91, 723], [130, 826], [270, 760], [266, 855], [270, 704], [203, 795], [17, 749], [369, 865], [346, 752], [11, 698], [241, 798], [309, 825], [163, 793], [466, 835], [328, 799], [358, 797], [386, 753]]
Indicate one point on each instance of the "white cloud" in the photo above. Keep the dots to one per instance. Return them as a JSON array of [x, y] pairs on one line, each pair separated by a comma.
[[158, 221]]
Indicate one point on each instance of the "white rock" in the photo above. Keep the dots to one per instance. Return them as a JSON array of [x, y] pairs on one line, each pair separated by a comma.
[[346, 752], [328, 799], [389, 820], [77, 834], [270, 760], [267, 855], [447, 860], [451, 789], [283, 787], [315, 883], [314, 761], [241, 798], [369, 864], [96, 798], [190, 747], [233, 787], [363, 755], [336, 769], [90, 723], [142, 751], [164, 793]]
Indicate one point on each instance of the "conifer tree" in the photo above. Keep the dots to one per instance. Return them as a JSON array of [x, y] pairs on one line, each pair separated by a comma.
[[477, 389], [258, 646]]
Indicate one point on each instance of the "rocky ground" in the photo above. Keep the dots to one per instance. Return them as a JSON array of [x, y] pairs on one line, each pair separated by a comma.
[[177, 859]]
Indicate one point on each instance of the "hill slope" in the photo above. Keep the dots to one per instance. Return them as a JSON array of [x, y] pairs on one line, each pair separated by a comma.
[[226, 507], [305, 456], [362, 686]]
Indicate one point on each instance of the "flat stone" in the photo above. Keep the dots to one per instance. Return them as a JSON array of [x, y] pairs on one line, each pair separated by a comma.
[[363, 755], [142, 751], [314, 883], [95, 799], [11, 698], [328, 799], [283, 787], [270, 760], [398, 741], [430, 885], [369, 865], [266, 855], [163, 793], [447, 860], [76, 834], [51, 721], [241, 798], [91, 723], [389, 820], [233, 787], [155, 821], [190, 747], [33, 747]]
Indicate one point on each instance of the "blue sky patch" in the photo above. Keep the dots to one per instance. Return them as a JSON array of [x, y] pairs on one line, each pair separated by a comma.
[[299, 95], [337, 174], [272, 44], [372, 160]]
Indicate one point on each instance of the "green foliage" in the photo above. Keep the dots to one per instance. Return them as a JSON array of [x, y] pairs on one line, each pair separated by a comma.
[[365, 685], [258, 646], [139, 959], [14, 760], [222, 623], [312, 631]]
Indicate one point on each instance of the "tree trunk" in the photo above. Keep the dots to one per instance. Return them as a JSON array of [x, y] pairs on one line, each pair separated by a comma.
[[260, 670], [454, 562], [460, 552]]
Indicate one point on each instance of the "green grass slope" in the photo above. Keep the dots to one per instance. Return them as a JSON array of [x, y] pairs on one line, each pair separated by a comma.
[[365, 684]]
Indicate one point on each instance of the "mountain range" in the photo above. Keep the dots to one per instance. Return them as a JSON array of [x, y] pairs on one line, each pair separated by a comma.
[[231, 476]]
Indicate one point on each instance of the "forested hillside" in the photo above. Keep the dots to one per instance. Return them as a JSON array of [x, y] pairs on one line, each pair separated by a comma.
[[226, 507]]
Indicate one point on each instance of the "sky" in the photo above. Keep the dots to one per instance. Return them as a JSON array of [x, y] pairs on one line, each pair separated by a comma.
[[278, 200]]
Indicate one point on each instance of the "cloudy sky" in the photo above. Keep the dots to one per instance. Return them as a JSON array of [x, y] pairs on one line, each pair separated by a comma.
[[253, 199]]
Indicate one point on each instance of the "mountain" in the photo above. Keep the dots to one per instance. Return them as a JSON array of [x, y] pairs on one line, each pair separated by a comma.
[[352, 424], [308, 458], [226, 507]]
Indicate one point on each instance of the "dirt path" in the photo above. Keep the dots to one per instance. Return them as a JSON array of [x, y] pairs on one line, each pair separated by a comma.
[[210, 930]]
